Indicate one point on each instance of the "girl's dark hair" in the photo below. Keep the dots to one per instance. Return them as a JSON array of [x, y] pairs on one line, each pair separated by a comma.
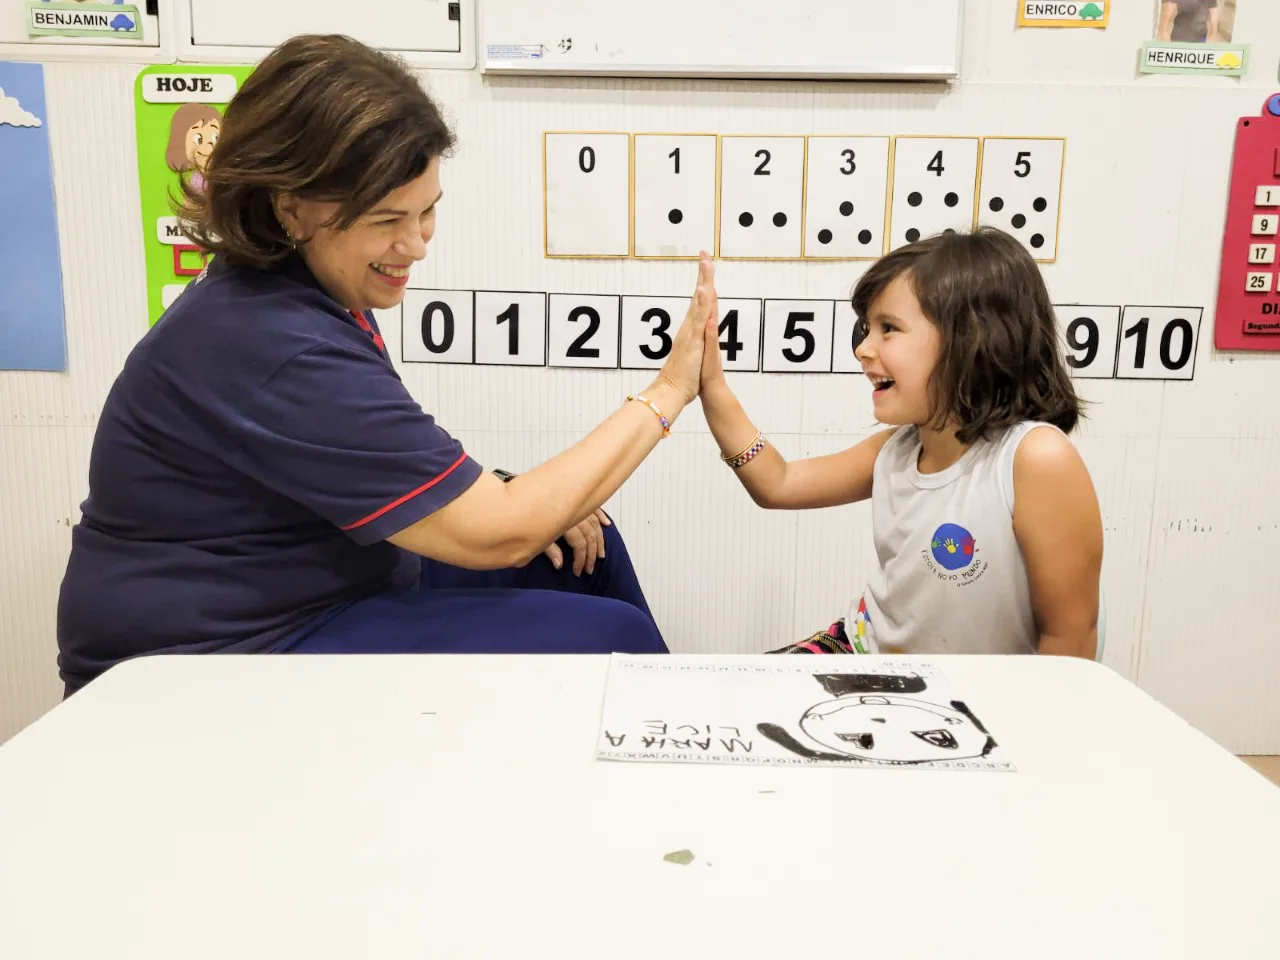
[[324, 118], [1000, 361]]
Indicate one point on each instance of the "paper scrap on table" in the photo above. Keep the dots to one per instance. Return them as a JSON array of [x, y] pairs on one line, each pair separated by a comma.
[[806, 713]]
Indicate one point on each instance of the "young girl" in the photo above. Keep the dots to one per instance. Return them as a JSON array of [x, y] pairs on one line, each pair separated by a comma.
[[987, 530]]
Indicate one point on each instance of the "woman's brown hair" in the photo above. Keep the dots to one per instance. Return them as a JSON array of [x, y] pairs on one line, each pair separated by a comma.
[[1000, 362], [323, 118]]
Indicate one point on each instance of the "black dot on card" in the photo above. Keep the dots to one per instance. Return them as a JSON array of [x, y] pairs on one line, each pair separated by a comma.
[[1040, 204], [675, 216], [846, 209], [824, 236], [864, 236], [913, 235], [996, 204], [951, 199], [779, 219], [1019, 221], [746, 219], [915, 199], [1037, 241]]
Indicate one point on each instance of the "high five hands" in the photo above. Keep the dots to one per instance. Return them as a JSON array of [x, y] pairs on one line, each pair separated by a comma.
[[692, 365], [694, 361]]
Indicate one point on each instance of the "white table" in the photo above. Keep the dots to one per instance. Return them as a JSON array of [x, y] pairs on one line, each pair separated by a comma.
[[306, 807]]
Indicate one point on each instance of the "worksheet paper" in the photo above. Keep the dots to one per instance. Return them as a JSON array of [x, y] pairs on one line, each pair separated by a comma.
[[799, 711]]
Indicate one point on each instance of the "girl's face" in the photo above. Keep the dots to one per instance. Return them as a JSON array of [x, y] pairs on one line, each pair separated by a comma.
[[899, 354], [367, 265], [200, 140]]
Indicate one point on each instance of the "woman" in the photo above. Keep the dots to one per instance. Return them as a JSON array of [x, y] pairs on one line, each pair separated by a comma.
[[260, 473]]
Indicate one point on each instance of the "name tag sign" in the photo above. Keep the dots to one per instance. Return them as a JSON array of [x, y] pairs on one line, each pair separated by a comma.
[[1060, 13], [1226, 60], [115, 21], [188, 88]]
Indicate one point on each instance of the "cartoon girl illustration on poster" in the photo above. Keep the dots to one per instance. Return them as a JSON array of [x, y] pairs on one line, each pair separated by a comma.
[[192, 135]]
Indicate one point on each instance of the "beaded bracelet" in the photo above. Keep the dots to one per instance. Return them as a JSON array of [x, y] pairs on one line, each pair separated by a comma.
[[666, 424], [747, 455]]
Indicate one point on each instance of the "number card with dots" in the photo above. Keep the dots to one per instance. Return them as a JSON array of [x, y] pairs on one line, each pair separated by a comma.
[[675, 195], [587, 194], [761, 197], [1021, 189], [846, 189], [1248, 316], [934, 182]]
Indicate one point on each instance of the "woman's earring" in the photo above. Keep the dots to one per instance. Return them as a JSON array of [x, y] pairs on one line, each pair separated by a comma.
[[293, 244]]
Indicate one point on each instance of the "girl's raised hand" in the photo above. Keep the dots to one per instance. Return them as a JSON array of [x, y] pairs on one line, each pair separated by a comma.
[[684, 364]]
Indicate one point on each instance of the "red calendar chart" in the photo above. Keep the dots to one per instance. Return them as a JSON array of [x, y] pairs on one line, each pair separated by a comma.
[[1248, 316]]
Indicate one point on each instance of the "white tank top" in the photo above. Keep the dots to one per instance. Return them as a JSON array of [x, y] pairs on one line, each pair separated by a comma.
[[950, 575]]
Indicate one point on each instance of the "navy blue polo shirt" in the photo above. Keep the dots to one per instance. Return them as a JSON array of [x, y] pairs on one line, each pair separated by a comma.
[[250, 461]]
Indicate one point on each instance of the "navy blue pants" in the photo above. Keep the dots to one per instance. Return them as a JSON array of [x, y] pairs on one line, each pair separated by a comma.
[[533, 609]]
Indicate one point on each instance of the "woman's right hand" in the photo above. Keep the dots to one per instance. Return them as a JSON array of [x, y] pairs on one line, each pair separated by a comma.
[[683, 368]]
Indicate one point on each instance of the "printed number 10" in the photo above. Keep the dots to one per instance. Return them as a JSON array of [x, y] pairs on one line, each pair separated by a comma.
[[1169, 361]]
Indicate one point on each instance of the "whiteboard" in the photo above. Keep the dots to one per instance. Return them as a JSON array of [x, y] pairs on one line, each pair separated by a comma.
[[865, 39], [388, 24]]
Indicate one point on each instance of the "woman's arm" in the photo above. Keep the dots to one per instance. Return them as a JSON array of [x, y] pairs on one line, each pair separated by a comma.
[[495, 525], [1058, 525]]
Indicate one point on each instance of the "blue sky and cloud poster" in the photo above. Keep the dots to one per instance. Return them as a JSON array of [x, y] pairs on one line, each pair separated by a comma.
[[32, 328]]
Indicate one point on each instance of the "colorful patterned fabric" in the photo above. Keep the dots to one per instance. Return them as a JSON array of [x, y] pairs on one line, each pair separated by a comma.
[[835, 639]]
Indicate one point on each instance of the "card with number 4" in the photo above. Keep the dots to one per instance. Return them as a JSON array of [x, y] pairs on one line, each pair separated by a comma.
[[934, 183], [740, 334]]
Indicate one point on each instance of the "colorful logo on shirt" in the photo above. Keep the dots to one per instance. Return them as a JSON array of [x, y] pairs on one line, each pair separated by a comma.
[[952, 546]]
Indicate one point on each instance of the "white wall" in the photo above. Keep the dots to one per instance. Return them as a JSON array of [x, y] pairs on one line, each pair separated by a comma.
[[1182, 469]]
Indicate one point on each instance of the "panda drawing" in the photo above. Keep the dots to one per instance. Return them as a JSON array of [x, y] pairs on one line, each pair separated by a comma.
[[870, 720]]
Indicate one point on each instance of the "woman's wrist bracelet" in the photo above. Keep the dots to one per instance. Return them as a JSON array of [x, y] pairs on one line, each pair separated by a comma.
[[666, 424]]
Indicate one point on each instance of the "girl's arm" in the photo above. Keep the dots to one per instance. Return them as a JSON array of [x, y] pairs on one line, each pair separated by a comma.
[[772, 482], [1059, 528]]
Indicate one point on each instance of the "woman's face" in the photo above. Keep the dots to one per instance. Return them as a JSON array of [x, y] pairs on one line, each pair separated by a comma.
[[201, 137], [366, 266]]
